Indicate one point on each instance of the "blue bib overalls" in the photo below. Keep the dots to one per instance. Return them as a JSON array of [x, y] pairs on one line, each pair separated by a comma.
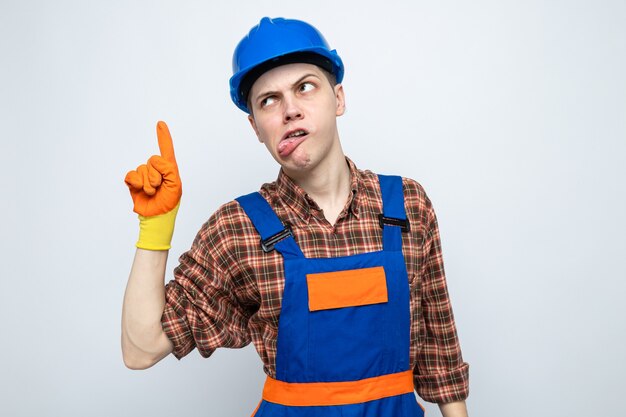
[[344, 327]]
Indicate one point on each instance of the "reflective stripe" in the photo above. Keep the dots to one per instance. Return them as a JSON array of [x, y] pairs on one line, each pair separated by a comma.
[[354, 287], [337, 393]]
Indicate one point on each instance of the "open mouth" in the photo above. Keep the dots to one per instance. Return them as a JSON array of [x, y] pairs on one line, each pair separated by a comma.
[[296, 133], [291, 140]]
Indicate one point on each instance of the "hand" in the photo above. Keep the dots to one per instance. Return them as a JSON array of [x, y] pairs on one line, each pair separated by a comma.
[[156, 187]]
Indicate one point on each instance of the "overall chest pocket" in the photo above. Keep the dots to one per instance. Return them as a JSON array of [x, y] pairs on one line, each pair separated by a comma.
[[348, 320], [351, 288]]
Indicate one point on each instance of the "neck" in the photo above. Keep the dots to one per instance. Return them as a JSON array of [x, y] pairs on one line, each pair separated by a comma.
[[328, 184]]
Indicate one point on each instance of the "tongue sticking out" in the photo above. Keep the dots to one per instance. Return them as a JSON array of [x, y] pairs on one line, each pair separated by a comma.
[[288, 145]]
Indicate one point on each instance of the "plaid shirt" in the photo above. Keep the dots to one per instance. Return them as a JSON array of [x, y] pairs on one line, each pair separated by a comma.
[[227, 291]]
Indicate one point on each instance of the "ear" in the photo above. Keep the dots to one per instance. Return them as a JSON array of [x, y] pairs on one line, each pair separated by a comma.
[[340, 99], [253, 124]]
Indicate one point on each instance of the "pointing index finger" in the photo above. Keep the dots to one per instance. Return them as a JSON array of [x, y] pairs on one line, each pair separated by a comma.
[[165, 142]]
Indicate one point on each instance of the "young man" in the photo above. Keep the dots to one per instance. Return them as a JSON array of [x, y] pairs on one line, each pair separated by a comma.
[[334, 273]]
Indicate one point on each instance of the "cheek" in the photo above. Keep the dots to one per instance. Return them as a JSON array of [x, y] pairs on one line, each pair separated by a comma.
[[261, 129], [266, 133], [325, 119], [267, 124]]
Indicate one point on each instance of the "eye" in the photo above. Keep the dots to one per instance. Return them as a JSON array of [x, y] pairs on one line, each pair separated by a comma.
[[306, 87], [267, 101]]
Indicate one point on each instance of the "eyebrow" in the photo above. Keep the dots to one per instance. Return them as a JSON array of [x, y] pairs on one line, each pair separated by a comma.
[[269, 93]]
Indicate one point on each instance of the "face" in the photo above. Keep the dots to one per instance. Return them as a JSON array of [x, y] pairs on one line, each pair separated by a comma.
[[294, 113]]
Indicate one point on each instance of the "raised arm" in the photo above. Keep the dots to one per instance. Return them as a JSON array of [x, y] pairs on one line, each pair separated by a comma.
[[156, 189]]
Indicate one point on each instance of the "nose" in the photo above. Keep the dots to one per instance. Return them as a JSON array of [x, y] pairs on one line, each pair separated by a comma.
[[292, 110]]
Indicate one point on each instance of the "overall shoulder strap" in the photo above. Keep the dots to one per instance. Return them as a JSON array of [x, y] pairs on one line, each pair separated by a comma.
[[393, 218], [274, 235]]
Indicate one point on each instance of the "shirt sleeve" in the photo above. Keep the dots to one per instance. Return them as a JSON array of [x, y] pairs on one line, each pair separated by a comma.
[[202, 308], [440, 375]]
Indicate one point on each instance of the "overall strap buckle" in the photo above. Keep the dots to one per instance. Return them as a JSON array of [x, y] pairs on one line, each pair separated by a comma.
[[268, 244], [392, 221]]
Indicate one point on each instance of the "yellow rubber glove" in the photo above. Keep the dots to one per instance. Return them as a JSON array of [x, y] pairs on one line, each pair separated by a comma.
[[156, 189]]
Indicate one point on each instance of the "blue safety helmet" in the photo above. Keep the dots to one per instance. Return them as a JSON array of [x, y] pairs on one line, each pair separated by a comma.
[[275, 42]]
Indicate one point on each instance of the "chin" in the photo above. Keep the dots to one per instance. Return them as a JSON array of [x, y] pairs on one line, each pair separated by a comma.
[[297, 161]]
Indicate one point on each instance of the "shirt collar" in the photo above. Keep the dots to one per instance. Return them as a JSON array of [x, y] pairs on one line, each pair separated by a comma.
[[304, 206]]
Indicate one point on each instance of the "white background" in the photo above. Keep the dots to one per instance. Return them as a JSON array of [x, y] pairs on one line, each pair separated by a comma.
[[512, 115]]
